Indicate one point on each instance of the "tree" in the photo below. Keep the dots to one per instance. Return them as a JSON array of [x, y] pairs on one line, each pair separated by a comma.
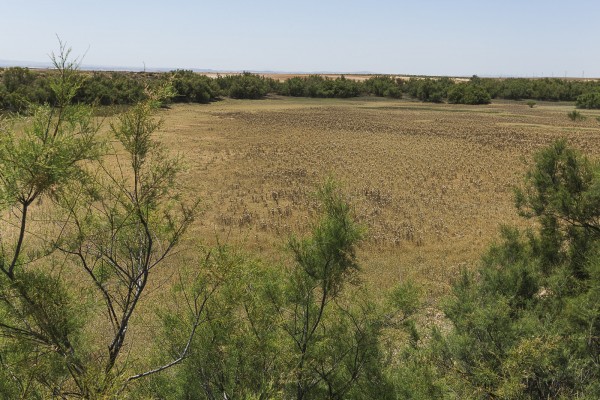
[[114, 228], [324, 263], [245, 86], [468, 93], [35, 164], [193, 87], [383, 86], [238, 350], [20, 86], [526, 324], [300, 331], [589, 100]]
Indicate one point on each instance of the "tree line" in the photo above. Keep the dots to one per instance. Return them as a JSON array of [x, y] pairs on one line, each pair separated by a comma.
[[20, 86], [89, 220]]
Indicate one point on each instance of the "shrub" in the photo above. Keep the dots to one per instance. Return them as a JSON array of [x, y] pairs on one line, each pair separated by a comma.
[[245, 86], [382, 86], [301, 331], [468, 93], [345, 88], [110, 89], [193, 88], [429, 89], [44, 349], [319, 86], [294, 87], [575, 116], [588, 100], [525, 324], [531, 103], [22, 87]]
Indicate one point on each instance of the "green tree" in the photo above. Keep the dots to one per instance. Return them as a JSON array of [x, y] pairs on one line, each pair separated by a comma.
[[294, 87], [245, 86], [468, 93], [21, 86], [588, 100], [237, 351], [113, 228], [192, 87], [526, 324], [302, 331], [37, 317]]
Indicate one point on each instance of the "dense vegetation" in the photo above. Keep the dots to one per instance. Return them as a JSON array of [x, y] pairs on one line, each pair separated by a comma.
[[589, 100], [523, 325], [468, 93], [20, 86], [526, 324]]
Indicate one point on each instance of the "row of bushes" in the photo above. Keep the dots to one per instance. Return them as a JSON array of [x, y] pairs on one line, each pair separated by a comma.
[[318, 86], [20, 86]]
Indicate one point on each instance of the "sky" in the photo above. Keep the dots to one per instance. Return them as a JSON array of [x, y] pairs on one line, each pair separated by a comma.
[[428, 37]]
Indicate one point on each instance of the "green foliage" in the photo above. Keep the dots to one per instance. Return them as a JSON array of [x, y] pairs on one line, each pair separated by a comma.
[[324, 330], [319, 86], [304, 331], [294, 87], [429, 89], [588, 100], [47, 154], [111, 89], [468, 93], [525, 325], [383, 86], [191, 87], [548, 89], [20, 87], [414, 375], [111, 229], [515, 89], [237, 352], [38, 321], [576, 116], [245, 86], [43, 305], [531, 103]]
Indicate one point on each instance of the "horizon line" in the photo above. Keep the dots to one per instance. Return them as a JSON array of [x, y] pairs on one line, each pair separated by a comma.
[[114, 68]]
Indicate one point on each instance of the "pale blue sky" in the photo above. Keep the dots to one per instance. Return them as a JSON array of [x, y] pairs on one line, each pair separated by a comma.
[[429, 37]]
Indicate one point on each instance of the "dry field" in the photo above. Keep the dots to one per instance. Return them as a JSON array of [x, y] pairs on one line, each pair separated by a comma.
[[431, 183]]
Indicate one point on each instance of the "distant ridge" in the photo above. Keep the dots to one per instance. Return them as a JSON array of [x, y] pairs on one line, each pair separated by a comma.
[[108, 68], [91, 67]]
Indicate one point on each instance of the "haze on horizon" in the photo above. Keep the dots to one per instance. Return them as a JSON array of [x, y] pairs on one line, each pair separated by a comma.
[[429, 37]]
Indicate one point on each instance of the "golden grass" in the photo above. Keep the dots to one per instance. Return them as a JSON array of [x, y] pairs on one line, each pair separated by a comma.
[[432, 183]]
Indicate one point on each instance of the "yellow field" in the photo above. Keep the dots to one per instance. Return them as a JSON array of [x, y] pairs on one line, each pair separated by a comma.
[[432, 183]]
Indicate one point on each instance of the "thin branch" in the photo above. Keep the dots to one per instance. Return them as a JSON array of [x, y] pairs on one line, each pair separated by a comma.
[[186, 349], [11, 268]]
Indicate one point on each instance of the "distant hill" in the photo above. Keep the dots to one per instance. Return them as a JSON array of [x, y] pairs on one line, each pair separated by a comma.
[[92, 67]]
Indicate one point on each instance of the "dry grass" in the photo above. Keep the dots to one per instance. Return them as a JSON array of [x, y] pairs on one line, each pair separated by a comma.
[[432, 183]]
